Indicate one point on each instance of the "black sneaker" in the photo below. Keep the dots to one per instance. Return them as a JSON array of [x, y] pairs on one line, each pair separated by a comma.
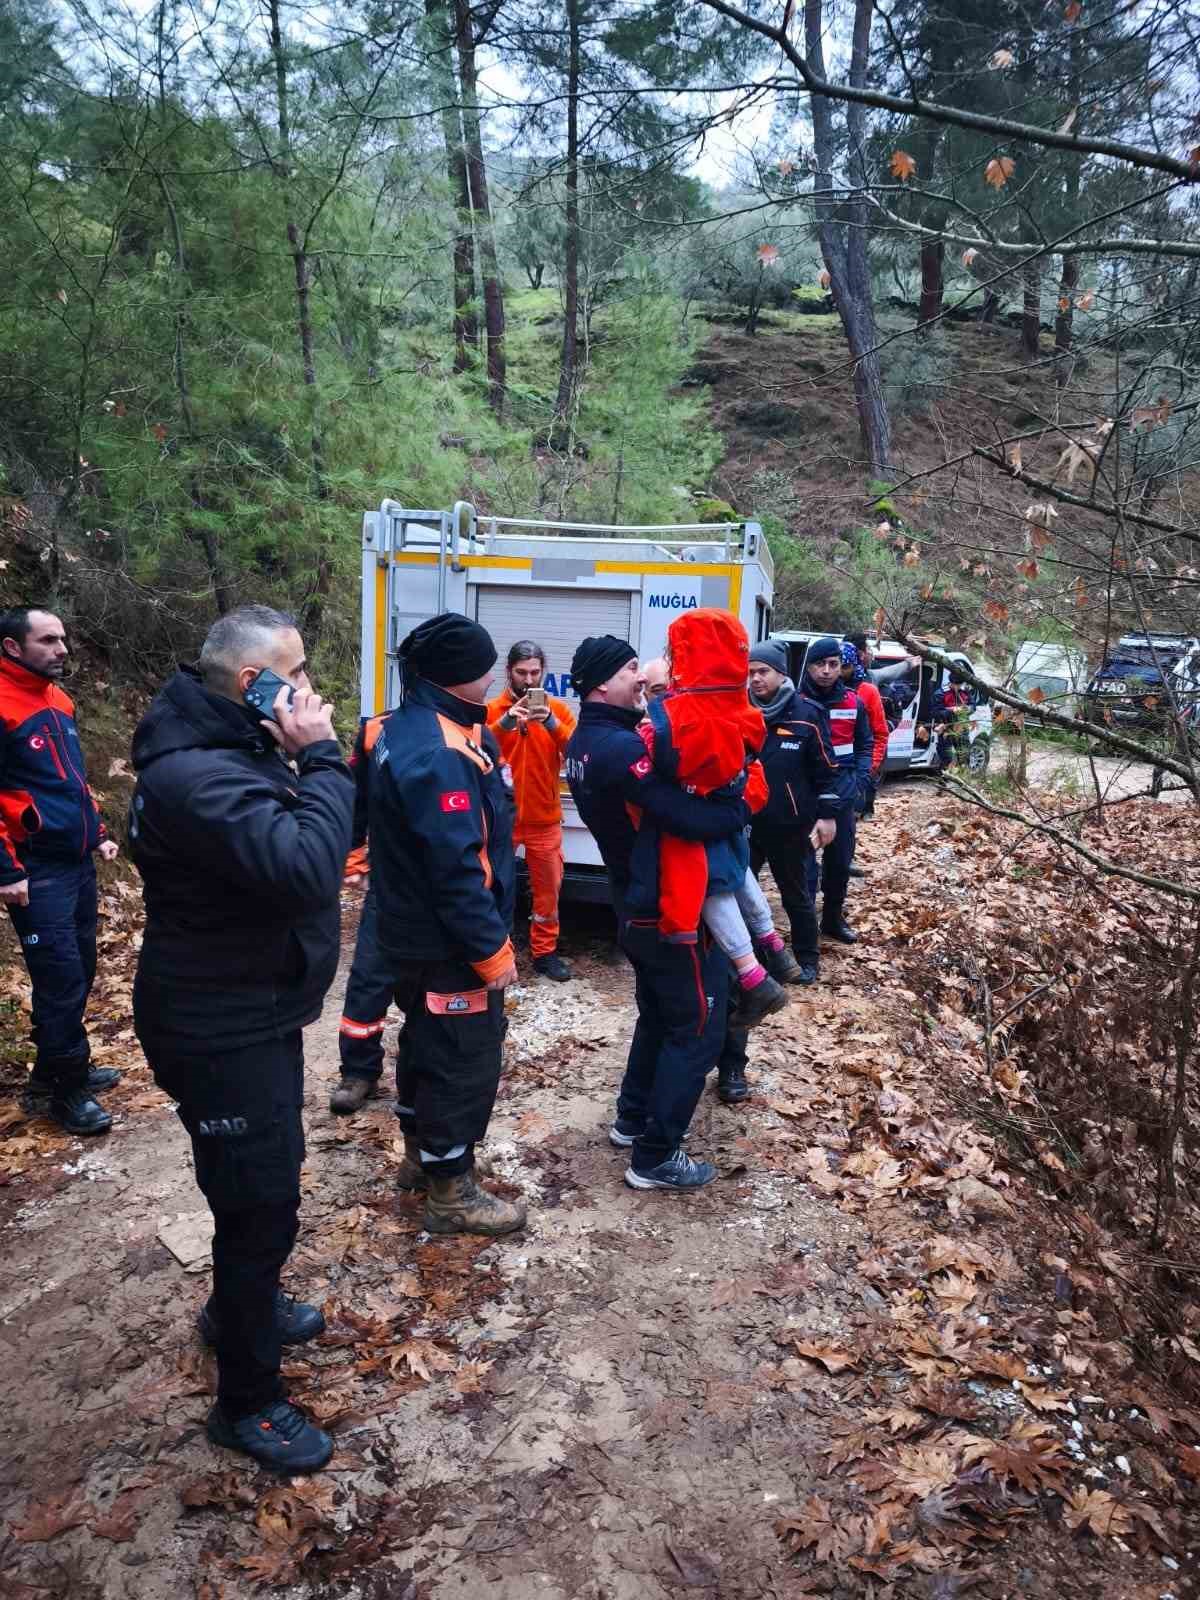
[[836, 927], [552, 966], [279, 1436], [732, 1087], [298, 1322], [76, 1112], [38, 1095], [755, 1004]]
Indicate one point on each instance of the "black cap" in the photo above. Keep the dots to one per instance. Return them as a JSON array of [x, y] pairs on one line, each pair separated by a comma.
[[597, 659], [448, 649]]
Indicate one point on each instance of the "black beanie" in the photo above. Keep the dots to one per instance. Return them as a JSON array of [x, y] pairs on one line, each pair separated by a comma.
[[596, 660], [448, 649], [821, 649]]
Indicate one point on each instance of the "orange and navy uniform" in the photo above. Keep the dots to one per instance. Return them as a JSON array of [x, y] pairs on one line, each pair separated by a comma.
[[357, 862], [46, 807], [441, 825]]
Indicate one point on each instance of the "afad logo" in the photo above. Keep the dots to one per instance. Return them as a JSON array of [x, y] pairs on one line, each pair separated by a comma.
[[458, 1003]]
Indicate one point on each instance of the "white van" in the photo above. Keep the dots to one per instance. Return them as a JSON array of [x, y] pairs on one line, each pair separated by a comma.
[[1059, 672], [908, 699], [555, 583]]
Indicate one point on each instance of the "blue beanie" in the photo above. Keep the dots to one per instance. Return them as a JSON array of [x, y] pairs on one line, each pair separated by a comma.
[[821, 649]]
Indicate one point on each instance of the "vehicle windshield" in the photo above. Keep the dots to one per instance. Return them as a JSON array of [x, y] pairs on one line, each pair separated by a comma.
[[1141, 655]]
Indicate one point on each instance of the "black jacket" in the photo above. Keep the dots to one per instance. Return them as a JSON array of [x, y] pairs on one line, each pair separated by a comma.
[[608, 771], [440, 818], [241, 857], [804, 776]]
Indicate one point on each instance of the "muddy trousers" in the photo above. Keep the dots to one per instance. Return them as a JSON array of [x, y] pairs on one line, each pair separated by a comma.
[[369, 992], [682, 992], [544, 864], [790, 856], [242, 1110], [448, 1060], [57, 930]]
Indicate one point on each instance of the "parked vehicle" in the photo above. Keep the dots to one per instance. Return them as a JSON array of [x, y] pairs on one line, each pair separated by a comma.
[[554, 582], [908, 693], [1131, 687], [1059, 672]]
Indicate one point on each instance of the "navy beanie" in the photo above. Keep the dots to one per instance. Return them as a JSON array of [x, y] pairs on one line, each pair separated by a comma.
[[821, 649]]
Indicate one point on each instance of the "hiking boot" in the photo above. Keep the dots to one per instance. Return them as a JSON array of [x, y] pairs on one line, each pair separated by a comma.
[[75, 1112], [755, 1004], [298, 1322], [411, 1175], [781, 963], [279, 1436], [809, 972], [459, 1205], [352, 1094], [552, 966], [678, 1171], [732, 1087], [38, 1094], [835, 926], [624, 1131]]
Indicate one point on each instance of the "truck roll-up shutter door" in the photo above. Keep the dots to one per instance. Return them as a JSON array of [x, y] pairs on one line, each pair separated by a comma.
[[557, 619]]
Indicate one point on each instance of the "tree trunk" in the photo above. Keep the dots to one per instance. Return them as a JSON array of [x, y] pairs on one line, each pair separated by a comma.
[[1065, 316], [481, 214], [933, 251], [844, 245], [1031, 310], [466, 323], [298, 249], [568, 376]]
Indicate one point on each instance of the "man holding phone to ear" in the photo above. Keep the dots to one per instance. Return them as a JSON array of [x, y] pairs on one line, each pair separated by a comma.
[[533, 730], [239, 825]]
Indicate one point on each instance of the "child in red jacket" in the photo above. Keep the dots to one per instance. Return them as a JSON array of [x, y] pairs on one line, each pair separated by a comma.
[[705, 735]]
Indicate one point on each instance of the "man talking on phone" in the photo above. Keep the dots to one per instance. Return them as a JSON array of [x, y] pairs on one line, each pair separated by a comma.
[[533, 730], [239, 825]]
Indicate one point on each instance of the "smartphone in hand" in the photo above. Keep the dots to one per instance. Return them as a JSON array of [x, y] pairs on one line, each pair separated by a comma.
[[263, 691], [535, 699]]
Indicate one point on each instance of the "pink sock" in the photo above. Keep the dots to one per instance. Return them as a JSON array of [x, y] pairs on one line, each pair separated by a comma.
[[772, 940], [752, 977]]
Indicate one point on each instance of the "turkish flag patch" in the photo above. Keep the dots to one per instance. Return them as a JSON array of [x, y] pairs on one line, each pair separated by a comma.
[[455, 800], [641, 769]]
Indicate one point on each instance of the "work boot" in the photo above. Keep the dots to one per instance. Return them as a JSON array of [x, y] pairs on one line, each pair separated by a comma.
[[298, 1322], [76, 1112], [732, 1087], [552, 966], [459, 1205], [39, 1092], [780, 963], [755, 1004], [279, 1436], [411, 1175], [835, 926], [352, 1094]]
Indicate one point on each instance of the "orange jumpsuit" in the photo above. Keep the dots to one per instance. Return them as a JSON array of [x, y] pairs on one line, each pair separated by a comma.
[[536, 757]]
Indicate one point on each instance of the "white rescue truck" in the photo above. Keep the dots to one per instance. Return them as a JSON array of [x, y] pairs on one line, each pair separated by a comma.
[[555, 583]]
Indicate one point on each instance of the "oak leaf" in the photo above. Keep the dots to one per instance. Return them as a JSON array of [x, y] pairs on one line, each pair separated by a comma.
[[1045, 1399], [902, 165], [1031, 1456], [422, 1358], [999, 170], [817, 1527]]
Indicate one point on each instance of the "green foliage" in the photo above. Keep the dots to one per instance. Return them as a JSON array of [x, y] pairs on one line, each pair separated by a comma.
[[915, 373]]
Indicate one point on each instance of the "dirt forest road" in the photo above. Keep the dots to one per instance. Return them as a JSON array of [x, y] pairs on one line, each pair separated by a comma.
[[832, 1373]]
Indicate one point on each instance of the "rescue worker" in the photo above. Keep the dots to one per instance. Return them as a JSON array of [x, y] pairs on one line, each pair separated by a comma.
[[657, 677], [854, 747], [442, 869], [49, 829], [681, 990], [370, 986], [854, 673], [810, 795], [239, 825], [533, 740]]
